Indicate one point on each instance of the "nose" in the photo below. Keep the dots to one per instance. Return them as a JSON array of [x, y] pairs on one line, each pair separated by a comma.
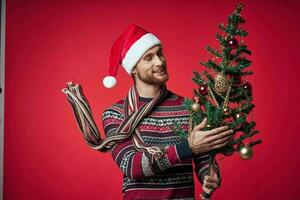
[[158, 61]]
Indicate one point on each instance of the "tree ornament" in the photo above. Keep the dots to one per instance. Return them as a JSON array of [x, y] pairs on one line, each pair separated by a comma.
[[248, 88], [208, 125], [246, 152], [203, 89], [196, 99], [221, 83], [232, 43], [196, 107]]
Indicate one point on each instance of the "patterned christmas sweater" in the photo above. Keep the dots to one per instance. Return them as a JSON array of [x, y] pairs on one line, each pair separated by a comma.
[[169, 177]]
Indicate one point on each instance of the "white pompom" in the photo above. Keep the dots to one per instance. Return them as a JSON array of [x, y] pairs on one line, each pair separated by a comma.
[[109, 81]]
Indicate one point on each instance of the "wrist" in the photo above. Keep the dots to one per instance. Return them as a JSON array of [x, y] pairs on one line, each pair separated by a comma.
[[190, 143], [183, 149]]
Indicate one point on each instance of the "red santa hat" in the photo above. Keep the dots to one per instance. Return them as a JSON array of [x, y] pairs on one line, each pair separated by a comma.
[[127, 51]]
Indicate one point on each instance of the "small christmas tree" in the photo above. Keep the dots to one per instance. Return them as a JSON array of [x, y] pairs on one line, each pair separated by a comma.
[[224, 96]]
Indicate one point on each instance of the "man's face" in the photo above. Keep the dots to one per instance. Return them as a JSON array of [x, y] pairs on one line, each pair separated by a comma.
[[151, 68]]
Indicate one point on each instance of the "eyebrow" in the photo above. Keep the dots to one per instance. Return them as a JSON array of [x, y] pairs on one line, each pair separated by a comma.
[[148, 54]]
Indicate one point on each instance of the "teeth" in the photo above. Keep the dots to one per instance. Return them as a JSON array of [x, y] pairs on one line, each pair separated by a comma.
[[159, 71]]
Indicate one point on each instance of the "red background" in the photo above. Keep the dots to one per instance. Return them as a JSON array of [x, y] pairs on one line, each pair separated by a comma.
[[51, 42]]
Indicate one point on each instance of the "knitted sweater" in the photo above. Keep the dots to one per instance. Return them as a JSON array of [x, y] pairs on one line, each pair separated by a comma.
[[169, 177]]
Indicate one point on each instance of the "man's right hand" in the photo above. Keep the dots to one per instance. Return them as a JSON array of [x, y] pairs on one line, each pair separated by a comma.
[[205, 141]]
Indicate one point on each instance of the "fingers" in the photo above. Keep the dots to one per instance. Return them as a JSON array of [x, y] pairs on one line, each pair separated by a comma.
[[221, 135], [203, 198], [217, 130], [201, 125], [217, 146], [210, 179], [210, 184], [220, 141], [213, 180], [207, 190]]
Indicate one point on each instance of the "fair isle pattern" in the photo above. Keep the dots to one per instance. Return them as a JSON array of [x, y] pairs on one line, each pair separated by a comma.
[[159, 182], [162, 141], [165, 121], [168, 177]]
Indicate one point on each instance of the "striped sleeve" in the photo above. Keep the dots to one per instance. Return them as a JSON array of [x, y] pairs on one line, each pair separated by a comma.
[[201, 169], [135, 164]]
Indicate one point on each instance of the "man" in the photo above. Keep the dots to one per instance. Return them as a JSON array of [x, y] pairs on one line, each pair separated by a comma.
[[156, 163]]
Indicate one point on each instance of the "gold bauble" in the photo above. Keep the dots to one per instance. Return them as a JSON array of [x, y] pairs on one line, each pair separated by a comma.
[[246, 152], [196, 107], [221, 83]]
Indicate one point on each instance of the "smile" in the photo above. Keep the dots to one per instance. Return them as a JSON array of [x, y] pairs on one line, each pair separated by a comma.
[[160, 71]]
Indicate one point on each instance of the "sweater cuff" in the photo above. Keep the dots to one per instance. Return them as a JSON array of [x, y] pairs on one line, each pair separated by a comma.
[[183, 149]]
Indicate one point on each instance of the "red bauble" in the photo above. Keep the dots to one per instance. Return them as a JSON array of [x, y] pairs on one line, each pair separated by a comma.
[[248, 87], [232, 43], [203, 89]]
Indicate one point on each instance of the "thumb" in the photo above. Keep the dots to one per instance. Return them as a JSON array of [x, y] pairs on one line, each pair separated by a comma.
[[201, 125]]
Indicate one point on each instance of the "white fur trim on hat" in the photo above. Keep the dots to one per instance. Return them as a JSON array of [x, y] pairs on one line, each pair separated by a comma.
[[137, 50], [109, 81]]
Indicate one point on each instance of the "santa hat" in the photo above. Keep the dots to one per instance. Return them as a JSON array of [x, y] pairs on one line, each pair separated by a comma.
[[127, 51]]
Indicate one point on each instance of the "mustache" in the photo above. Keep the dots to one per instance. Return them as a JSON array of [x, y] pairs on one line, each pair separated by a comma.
[[162, 67]]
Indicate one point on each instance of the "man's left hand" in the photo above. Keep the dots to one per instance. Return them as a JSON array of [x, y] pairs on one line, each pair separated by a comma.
[[211, 182]]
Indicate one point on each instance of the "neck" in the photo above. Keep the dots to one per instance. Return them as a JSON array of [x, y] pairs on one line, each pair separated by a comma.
[[146, 90]]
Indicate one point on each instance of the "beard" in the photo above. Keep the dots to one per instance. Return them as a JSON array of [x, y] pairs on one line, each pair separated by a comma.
[[154, 78]]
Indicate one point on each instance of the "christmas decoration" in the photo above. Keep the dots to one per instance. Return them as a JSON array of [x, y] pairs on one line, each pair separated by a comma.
[[232, 43], [196, 107], [224, 92], [221, 83], [246, 152], [203, 89]]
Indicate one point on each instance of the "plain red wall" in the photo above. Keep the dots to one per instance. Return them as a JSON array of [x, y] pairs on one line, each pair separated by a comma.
[[51, 42]]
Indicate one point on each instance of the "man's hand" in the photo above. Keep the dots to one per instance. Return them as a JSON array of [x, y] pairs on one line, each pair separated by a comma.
[[205, 141], [211, 182]]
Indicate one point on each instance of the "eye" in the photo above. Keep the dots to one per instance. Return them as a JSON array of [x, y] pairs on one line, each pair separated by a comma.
[[149, 58]]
